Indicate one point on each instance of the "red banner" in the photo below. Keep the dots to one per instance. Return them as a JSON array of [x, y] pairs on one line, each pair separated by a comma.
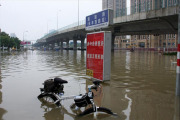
[[22, 42], [25, 43], [95, 55], [28, 43]]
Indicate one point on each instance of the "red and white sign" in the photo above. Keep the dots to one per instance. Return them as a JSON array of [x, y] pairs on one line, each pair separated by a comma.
[[22, 42], [25, 42], [98, 54]]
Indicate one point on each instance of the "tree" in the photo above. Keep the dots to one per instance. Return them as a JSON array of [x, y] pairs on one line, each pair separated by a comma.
[[17, 42], [7, 41], [12, 43]]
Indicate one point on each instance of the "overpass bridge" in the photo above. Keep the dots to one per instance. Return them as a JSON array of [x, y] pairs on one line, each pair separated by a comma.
[[154, 21]]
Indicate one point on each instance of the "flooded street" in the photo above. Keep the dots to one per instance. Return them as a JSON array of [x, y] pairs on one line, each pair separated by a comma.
[[142, 85]]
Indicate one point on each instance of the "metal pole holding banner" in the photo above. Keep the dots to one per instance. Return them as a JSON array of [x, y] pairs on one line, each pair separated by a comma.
[[178, 58]]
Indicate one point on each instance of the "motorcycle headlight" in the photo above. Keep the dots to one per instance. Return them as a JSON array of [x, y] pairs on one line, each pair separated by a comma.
[[90, 94]]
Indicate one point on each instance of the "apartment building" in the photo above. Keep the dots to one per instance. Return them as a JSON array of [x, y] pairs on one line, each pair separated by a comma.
[[118, 6], [147, 41], [107, 4]]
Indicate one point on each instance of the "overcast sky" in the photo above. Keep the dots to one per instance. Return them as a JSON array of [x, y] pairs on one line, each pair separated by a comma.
[[38, 16]]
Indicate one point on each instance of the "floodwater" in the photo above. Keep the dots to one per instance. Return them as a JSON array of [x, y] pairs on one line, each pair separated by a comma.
[[142, 85]]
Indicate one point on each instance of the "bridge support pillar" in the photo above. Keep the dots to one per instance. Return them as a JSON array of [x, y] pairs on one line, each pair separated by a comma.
[[44, 46], [75, 44], [58, 43], [48, 46], [82, 44], [67, 44], [61, 45], [178, 59], [52, 46], [112, 42]]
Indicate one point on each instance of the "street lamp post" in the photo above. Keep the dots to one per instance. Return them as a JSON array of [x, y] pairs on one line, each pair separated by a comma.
[[23, 37], [57, 18], [48, 26], [0, 36], [0, 39], [78, 12]]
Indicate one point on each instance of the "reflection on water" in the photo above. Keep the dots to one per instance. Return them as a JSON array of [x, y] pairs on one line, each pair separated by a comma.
[[2, 110], [142, 85], [58, 113], [151, 81], [177, 109], [128, 110]]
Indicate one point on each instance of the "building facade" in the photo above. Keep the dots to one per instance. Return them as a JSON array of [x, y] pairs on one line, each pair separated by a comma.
[[146, 5], [147, 41], [118, 6], [122, 7], [107, 4]]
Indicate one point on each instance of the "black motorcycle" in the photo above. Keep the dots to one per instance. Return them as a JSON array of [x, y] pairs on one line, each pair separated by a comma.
[[53, 93]]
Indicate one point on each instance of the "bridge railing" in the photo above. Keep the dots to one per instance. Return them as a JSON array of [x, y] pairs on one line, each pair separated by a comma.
[[82, 22]]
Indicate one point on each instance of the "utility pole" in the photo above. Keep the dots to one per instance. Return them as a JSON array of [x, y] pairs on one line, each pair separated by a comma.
[[178, 58]]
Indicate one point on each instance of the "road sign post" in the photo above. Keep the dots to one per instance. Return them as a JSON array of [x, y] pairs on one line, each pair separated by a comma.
[[178, 59], [98, 57], [98, 51]]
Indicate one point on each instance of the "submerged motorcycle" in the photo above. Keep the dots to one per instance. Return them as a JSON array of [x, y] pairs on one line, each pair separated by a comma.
[[53, 92]]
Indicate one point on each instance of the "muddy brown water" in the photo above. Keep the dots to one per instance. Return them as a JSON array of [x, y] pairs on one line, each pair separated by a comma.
[[142, 85]]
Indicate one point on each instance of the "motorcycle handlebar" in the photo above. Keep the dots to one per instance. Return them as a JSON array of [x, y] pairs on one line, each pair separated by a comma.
[[96, 82]]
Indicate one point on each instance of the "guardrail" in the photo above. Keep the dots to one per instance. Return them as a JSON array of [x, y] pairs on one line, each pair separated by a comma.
[[82, 22]]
